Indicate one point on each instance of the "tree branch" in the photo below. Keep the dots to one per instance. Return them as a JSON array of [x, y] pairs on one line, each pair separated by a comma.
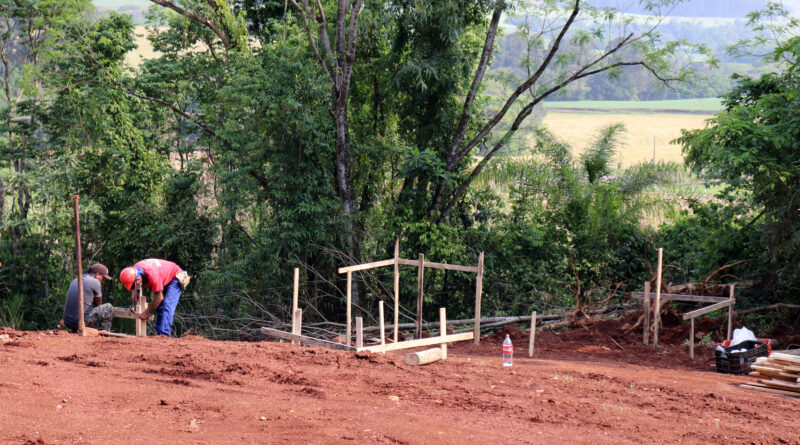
[[222, 33]]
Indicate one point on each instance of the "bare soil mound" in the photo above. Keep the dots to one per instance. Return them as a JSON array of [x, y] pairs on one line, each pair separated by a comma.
[[587, 385]]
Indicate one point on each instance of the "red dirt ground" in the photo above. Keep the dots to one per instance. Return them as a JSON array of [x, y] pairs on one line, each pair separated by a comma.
[[581, 387]]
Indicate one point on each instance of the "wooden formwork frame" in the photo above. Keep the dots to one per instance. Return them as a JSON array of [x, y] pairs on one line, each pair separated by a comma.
[[718, 303], [442, 339], [421, 264]]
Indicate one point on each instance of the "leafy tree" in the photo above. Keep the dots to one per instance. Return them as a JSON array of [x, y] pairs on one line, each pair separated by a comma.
[[752, 147], [575, 222]]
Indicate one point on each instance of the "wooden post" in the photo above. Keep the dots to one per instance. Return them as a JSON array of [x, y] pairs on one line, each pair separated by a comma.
[[296, 289], [691, 340], [359, 332], [383, 328], [349, 308], [657, 315], [295, 293], [420, 280], [730, 312], [141, 306], [79, 260], [396, 288], [443, 330], [297, 324], [646, 304], [533, 334], [478, 291]]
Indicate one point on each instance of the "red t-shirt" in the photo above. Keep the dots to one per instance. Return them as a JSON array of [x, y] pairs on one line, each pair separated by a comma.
[[158, 273]]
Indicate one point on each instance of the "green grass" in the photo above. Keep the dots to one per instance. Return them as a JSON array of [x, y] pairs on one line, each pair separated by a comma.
[[692, 105]]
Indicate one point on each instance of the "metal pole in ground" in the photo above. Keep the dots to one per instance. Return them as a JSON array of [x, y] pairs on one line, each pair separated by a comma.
[[81, 323]]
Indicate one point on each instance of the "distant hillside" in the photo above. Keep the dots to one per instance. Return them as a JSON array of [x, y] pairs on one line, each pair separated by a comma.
[[694, 8]]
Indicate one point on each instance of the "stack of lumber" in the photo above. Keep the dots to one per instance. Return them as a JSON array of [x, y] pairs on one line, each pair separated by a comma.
[[778, 372]]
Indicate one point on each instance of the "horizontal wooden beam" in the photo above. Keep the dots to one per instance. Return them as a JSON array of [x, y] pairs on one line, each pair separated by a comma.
[[707, 309], [418, 343], [433, 265], [680, 297], [310, 341], [366, 266], [127, 312]]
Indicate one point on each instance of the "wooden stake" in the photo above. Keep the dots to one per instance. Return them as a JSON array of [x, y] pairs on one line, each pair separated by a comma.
[[691, 340], [295, 293], [657, 315], [141, 306], [420, 279], [349, 308], [359, 332], [296, 290], [79, 260], [383, 328], [297, 324], [443, 330], [396, 288], [730, 312], [646, 305], [478, 291], [533, 334]]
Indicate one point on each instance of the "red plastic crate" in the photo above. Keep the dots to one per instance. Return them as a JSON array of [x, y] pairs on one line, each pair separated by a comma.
[[727, 343]]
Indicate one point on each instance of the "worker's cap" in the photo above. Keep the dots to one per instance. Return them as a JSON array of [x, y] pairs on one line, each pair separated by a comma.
[[99, 269]]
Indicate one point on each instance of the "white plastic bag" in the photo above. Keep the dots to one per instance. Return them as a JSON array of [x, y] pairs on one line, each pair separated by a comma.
[[742, 334]]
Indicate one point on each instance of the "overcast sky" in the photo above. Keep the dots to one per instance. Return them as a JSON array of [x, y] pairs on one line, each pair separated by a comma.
[[792, 5]]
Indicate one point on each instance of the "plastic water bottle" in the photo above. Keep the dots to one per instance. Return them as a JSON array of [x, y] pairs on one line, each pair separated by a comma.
[[508, 351]]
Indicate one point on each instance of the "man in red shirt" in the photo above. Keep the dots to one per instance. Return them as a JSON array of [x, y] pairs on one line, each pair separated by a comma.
[[166, 280]]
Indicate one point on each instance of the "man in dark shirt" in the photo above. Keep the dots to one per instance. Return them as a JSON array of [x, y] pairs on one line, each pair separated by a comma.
[[95, 313]]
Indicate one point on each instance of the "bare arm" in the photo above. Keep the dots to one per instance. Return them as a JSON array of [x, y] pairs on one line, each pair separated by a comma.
[[158, 297]]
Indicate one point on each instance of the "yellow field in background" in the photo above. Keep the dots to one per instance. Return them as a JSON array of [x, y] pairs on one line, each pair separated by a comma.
[[578, 129]]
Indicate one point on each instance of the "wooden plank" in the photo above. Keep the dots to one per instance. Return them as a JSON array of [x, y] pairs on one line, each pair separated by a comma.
[[657, 314], [457, 267], [433, 265], [127, 312], [478, 290], [115, 334], [420, 285], [443, 331], [349, 306], [383, 328], [310, 341], [707, 309], [786, 357], [646, 304], [418, 343], [780, 384], [691, 340], [297, 324], [681, 297], [730, 313], [396, 329], [424, 357], [763, 388], [533, 334], [366, 266]]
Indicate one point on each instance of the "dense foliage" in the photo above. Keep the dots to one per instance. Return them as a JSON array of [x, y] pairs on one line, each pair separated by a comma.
[[271, 135]]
